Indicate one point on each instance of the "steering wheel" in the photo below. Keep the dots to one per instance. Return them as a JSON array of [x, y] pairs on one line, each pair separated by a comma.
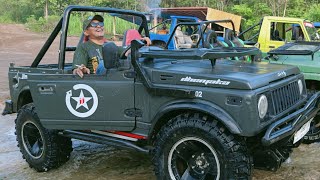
[[123, 54]]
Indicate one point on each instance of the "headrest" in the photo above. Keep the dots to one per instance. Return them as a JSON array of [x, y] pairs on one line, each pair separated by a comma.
[[232, 40], [130, 35], [214, 35], [229, 34], [210, 39]]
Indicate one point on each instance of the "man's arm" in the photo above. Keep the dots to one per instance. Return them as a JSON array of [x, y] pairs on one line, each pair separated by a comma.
[[80, 61], [148, 41]]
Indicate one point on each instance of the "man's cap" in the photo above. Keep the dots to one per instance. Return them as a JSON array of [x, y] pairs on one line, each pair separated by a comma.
[[87, 21]]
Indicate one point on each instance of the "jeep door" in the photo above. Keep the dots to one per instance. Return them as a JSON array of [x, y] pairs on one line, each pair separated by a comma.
[[272, 36], [276, 31], [100, 102], [65, 101]]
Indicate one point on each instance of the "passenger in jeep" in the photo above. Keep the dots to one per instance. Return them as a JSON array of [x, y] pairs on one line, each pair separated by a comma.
[[88, 55], [88, 58]]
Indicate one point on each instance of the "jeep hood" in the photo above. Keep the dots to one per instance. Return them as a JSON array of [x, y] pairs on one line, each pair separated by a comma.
[[306, 63], [305, 55], [229, 74]]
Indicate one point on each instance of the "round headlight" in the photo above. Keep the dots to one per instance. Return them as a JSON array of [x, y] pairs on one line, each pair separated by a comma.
[[300, 85], [262, 106]]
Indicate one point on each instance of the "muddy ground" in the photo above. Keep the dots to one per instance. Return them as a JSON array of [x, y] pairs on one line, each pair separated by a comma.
[[93, 161]]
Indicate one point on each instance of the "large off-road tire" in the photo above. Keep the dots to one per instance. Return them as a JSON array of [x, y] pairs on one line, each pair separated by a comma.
[[191, 146], [313, 134], [43, 149]]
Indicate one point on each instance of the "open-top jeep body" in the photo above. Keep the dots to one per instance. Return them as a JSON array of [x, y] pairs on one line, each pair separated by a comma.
[[199, 113], [159, 37]]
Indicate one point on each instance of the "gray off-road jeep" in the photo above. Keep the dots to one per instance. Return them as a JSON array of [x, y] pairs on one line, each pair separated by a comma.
[[199, 113]]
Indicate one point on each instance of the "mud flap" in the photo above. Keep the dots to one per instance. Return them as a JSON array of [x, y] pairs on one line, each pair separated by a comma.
[[8, 108], [270, 159]]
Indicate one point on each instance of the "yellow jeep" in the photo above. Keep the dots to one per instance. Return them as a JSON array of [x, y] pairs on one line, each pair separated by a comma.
[[276, 31]]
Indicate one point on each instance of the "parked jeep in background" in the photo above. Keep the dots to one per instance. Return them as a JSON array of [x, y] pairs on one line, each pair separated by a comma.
[[200, 114], [160, 33], [162, 22], [306, 56], [272, 32], [317, 25]]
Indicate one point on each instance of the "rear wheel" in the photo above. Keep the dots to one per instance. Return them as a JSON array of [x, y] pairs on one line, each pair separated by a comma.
[[192, 147], [43, 149]]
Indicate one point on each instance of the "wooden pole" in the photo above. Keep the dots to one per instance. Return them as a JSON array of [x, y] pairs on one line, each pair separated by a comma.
[[114, 28]]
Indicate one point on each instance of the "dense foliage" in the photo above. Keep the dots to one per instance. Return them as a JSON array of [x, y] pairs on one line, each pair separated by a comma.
[[43, 13]]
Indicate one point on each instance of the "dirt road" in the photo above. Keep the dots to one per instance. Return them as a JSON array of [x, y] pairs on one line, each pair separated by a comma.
[[92, 161]]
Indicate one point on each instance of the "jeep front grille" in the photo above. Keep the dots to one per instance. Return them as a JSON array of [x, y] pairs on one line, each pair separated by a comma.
[[285, 97]]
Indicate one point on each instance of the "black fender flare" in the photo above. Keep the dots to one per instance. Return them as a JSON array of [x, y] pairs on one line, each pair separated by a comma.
[[22, 91], [199, 106]]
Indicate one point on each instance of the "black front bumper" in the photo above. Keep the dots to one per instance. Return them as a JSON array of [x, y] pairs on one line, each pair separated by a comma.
[[288, 125], [8, 107]]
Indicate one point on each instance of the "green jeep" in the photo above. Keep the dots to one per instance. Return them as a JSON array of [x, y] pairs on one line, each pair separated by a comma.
[[198, 113], [306, 56]]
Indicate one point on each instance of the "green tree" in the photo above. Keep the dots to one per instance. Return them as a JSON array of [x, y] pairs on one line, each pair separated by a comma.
[[313, 14]]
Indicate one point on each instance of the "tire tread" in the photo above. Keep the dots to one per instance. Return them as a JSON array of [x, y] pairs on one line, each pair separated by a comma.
[[58, 148], [239, 162]]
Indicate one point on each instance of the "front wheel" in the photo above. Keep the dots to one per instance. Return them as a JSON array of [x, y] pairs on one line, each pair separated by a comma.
[[193, 147], [43, 149], [313, 134]]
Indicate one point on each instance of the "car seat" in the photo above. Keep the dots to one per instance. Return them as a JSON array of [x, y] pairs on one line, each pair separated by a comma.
[[232, 40], [276, 35], [182, 41], [130, 35], [297, 33], [211, 40]]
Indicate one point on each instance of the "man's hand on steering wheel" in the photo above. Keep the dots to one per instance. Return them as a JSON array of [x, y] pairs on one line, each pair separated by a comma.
[[147, 41], [127, 51]]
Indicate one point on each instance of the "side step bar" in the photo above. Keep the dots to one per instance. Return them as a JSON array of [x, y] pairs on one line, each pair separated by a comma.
[[102, 139]]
